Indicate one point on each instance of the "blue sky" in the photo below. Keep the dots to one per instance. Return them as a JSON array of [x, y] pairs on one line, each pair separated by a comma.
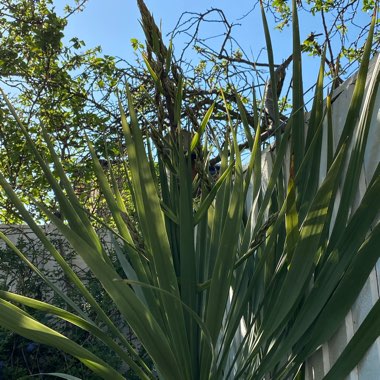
[[113, 23]]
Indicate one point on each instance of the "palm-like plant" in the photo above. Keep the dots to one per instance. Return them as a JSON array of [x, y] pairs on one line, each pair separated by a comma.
[[219, 290]]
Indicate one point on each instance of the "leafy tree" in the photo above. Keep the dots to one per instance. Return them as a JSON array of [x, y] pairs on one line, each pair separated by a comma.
[[53, 84]]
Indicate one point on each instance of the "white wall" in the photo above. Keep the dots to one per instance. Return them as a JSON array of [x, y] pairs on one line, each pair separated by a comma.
[[321, 362]]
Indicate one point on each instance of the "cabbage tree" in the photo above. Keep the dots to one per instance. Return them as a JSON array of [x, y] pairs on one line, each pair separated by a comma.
[[213, 288]]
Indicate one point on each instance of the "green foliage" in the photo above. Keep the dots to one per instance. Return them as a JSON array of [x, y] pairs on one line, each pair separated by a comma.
[[21, 357], [51, 83]]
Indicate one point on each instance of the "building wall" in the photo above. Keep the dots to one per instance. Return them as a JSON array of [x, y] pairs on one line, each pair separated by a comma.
[[13, 270], [369, 368], [319, 364]]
